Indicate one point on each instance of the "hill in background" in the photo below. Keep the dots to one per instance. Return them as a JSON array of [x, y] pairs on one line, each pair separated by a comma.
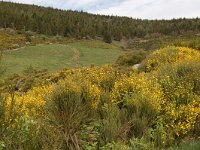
[[76, 24]]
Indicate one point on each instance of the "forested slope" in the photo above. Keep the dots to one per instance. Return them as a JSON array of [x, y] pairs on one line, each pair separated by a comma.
[[69, 23]]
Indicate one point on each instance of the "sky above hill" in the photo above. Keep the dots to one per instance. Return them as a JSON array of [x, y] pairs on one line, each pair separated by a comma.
[[145, 9]]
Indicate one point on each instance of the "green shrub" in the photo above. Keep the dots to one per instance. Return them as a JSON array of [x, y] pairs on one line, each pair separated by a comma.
[[107, 37], [141, 144], [189, 72], [23, 83], [188, 146], [116, 146], [141, 115], [110, 120], [130, 58], [191, 43], [67, 110]]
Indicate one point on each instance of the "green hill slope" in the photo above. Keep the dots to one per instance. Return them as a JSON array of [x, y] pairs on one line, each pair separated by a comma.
[[57, 56]]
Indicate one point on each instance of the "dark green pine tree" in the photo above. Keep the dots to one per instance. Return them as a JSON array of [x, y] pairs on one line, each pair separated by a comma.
[[107, 37], [67, 31]]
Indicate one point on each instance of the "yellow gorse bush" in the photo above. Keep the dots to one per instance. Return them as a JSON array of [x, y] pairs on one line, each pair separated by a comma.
[[171, 55], [104, 77], [182, 100], [140, 84], [170, 91], [181, 120], [30, 103], [8, 41], [91, 93], [87, 81]]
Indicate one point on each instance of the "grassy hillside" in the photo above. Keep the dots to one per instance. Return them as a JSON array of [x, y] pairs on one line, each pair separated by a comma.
[[96, 53], [57, 56]]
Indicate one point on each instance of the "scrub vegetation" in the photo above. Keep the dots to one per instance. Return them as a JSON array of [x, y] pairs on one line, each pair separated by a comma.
[[76, 81]]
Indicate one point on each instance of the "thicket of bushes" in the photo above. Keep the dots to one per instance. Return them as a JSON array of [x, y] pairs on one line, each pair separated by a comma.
[[130, 58], [192, 43], [155, 107], [10, 40]]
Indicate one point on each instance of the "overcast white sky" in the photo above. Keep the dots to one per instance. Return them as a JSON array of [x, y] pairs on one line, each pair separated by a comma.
[[145, 9]]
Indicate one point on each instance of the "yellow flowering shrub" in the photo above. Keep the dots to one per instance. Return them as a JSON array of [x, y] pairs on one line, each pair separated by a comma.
[[30, 103], [181, 88], [11, 41], [169, 55], [166, 100], [177, 70], [182, 119], [141, 86], [70, 105], [91, 92], [104, 77]]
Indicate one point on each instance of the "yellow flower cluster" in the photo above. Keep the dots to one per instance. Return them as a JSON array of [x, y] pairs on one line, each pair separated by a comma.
[[175, 68], [182, 119], [141, 85], [8, 41], [91, 80], [91, 92], [103, 77], [30, 103], [171, 55], [88, 81]]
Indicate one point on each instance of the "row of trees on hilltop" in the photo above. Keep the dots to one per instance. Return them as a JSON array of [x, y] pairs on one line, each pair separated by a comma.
[[76, 24]]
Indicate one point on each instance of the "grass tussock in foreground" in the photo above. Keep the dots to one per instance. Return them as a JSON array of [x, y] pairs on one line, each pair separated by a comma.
[[154, 107]]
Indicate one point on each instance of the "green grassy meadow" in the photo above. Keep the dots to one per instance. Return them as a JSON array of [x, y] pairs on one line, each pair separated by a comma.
[[96, 53], [57, 56]]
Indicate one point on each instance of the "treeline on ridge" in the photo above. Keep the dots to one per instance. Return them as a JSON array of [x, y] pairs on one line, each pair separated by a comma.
[[77, 24]]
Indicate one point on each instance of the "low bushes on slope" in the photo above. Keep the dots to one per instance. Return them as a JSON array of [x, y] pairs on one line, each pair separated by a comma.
[[153, 110], [168, 55], [130, 58]]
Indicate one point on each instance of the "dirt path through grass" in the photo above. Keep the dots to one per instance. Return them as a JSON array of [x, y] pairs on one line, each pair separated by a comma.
[[15, 49], [75, 58]]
